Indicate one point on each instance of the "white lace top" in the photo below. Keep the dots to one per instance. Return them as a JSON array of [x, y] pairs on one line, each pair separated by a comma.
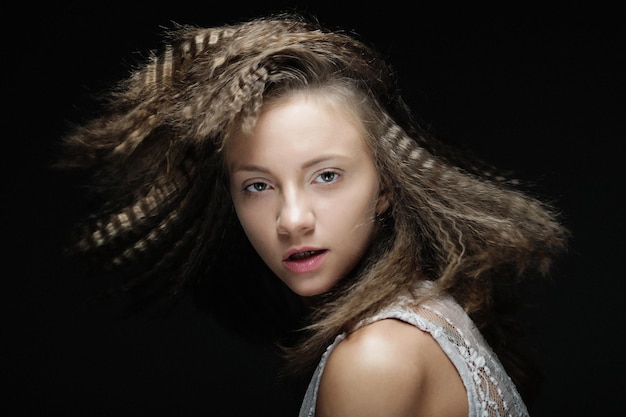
[[490, 391]]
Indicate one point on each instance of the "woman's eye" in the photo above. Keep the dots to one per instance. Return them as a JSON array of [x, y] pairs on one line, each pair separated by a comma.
[[327, 177], [256, 187]]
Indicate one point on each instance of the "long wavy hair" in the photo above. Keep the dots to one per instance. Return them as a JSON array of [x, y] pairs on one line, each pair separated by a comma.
[[155, 158]]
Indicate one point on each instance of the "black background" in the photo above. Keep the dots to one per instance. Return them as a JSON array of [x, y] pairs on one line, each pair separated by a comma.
[[536, 89]]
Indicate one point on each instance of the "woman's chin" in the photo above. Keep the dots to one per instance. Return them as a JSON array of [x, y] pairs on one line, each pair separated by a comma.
[[308, 291]]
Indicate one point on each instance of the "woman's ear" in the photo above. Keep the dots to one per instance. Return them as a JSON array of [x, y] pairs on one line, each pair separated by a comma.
[[383, 202]]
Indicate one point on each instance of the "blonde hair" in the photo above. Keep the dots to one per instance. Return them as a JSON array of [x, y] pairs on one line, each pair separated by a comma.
[[157, 154]]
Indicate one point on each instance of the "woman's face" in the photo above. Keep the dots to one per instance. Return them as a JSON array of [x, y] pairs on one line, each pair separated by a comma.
[[306, 191]]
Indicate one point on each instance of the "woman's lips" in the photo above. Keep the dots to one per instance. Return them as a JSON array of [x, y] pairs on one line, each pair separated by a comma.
[[305, 261]]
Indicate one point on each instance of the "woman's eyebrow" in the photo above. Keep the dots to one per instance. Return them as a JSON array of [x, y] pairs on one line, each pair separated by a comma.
[[250, 168], [325, 158]]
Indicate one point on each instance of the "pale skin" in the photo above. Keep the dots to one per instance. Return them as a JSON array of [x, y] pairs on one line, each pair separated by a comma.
[[304, 183], [393, 369], [306, 191]]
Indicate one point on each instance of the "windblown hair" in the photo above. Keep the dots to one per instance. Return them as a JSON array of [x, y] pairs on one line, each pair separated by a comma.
[[157, 163]]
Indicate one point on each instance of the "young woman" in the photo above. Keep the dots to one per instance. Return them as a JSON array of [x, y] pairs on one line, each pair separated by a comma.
[[279, 141]]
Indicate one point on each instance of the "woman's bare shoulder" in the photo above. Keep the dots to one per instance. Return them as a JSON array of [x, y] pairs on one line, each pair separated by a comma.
[[387, 368]]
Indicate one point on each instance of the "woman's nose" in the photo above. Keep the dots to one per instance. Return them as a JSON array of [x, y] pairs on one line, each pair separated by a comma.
[[295, 215]]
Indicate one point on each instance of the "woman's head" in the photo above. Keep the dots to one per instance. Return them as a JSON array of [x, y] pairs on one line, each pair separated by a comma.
[[279, 113], [160, 151], [306, 189]]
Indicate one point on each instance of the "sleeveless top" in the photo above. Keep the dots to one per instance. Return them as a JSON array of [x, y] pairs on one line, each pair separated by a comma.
[[490, 390]]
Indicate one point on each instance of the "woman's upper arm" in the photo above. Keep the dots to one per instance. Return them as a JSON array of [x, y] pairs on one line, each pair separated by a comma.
[[378, 370]]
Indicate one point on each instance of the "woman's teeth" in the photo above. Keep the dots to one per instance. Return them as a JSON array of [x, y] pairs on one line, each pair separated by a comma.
[[303, 255]]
